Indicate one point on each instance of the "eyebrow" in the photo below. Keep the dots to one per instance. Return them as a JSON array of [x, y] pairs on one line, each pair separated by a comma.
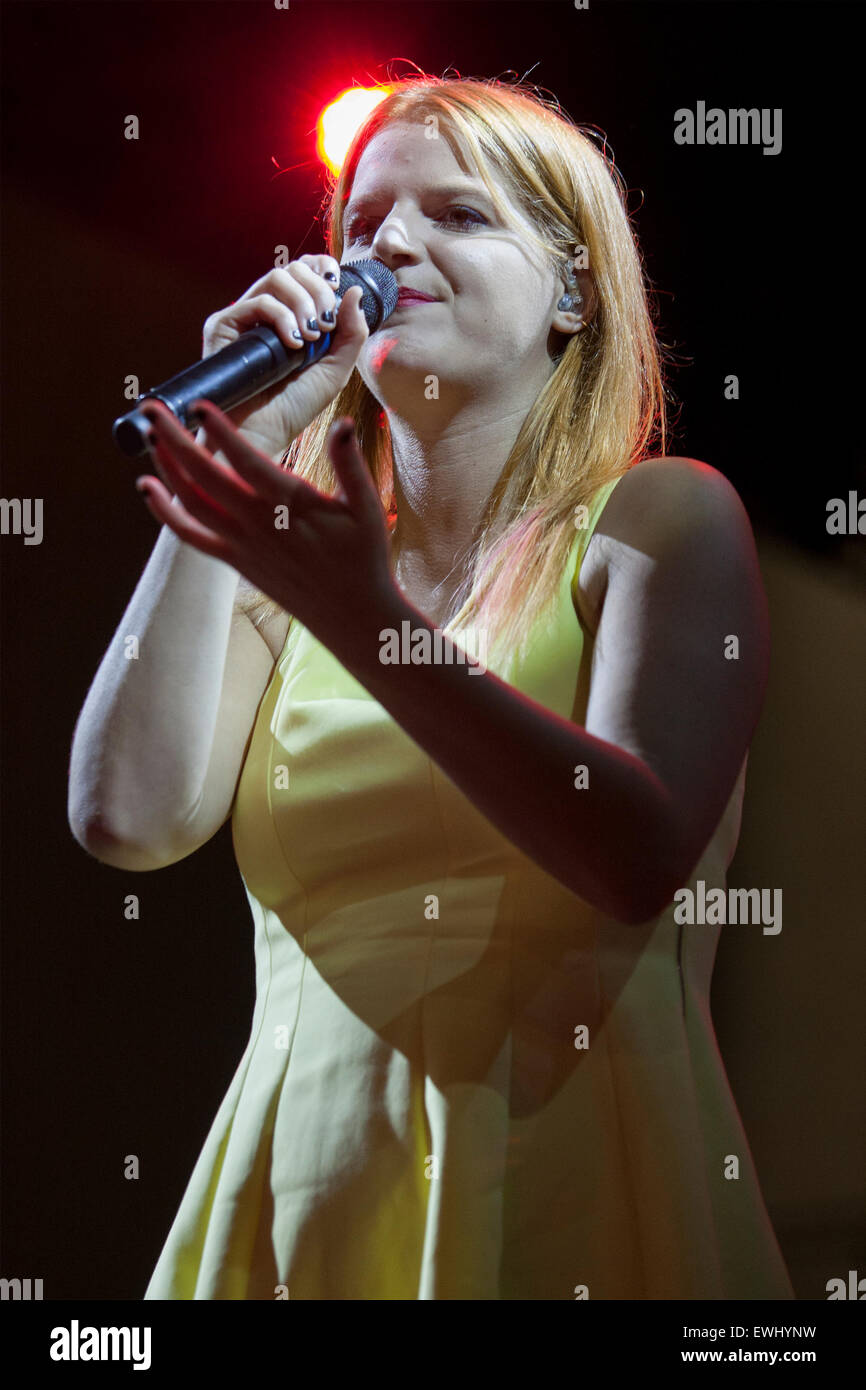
[[450, 190]]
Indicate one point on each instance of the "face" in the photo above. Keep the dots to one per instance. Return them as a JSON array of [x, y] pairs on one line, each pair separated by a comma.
[[487, 331]]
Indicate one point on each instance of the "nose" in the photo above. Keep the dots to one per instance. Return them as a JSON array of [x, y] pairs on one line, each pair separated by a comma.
[[393, 244]]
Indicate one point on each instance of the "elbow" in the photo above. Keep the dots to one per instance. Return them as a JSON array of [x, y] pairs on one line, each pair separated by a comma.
[[657, 874], [637, 909], [97, 837]]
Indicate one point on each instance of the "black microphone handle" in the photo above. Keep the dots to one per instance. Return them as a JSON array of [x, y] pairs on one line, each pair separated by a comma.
[[254, 361]]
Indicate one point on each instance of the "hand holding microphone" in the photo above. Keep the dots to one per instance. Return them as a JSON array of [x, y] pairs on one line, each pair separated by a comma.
[[264, 337], [231, 499]]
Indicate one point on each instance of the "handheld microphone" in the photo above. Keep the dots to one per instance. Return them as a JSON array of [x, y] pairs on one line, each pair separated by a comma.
[[255, 360]]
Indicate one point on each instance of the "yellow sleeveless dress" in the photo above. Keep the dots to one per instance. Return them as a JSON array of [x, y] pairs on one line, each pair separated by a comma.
[[418, 1113]]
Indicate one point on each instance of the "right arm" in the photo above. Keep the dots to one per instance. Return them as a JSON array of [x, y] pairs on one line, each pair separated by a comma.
[[161, 738], [163, 733]]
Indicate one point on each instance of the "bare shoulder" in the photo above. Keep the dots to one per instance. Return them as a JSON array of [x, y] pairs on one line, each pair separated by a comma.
[[663, 508]]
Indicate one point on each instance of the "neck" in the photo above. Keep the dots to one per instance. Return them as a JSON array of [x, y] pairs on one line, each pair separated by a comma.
[[443, 478]]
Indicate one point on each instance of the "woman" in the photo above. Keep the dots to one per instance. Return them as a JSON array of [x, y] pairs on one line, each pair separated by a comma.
[[482, 1063]]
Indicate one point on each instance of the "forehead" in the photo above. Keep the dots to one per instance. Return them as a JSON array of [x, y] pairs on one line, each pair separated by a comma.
[[402, 156]]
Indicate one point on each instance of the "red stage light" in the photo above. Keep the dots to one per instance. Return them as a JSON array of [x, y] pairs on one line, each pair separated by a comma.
[[340, 119]]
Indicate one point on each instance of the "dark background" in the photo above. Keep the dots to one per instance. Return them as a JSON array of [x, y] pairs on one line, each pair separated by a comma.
[[120, 1037]]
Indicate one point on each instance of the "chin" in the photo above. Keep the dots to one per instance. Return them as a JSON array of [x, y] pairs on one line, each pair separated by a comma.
[[395, 352]]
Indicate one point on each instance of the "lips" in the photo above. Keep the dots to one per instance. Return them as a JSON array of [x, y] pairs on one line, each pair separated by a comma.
[[409, 296]]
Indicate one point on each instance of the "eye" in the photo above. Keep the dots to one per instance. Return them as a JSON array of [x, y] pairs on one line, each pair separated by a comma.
[[355, 229], [482, 220]]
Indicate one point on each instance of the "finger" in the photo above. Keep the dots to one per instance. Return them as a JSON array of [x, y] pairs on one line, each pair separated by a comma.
[[320, 294], [352, 471], [347, 339], [158, 465], [195, 462], [351, 323], [223, 328], [326, 266], [193, 497], [267, 479], [160, 505], [157, 497]]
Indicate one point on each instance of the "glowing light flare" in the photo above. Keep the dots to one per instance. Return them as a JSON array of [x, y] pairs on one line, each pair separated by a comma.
[[379, 354], [336, 127]]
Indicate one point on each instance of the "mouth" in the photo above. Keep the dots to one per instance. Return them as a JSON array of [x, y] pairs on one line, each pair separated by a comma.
[[414, 297]]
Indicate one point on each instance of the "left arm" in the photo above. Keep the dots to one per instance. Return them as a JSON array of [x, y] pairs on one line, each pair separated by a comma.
[[669, 718], [670, 712], [515, 760]]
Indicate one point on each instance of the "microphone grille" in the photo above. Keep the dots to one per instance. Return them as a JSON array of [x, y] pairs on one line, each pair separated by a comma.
[[380, 289]]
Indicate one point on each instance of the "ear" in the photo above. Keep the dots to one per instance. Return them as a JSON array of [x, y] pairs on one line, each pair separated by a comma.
[[570, 321]]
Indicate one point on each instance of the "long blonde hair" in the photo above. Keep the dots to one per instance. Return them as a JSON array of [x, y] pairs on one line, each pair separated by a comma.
[[605, 401]]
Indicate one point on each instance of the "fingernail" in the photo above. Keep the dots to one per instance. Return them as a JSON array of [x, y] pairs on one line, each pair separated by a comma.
[[330, 275], [141, 484], [328, 317], [313, 325]]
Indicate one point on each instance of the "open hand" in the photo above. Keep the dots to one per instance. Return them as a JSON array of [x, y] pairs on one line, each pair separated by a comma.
[[325, 560]]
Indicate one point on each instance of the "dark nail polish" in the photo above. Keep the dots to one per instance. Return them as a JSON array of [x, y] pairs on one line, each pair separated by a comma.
[[313, 325], [329, 317], [296, 333], [330, 275]]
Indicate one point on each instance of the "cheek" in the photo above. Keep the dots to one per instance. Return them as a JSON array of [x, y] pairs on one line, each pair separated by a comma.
[[503, 304]]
